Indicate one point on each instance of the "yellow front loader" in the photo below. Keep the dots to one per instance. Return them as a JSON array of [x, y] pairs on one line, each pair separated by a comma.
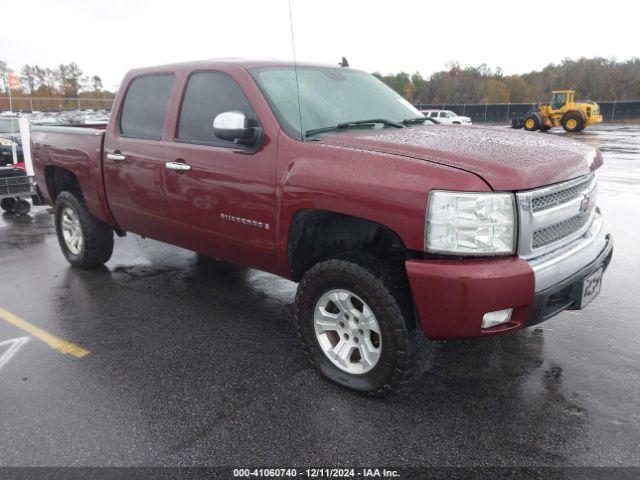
[[563, 111]]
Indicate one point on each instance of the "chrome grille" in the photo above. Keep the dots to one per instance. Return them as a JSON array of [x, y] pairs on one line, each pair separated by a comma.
[[559, 197], [554, 216], [549, 235]]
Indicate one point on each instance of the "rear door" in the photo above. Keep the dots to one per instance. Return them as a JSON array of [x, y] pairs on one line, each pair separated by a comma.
[[134, 153], [224, 205]]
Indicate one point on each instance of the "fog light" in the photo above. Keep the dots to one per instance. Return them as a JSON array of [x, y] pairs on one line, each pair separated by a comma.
[[491, 319]]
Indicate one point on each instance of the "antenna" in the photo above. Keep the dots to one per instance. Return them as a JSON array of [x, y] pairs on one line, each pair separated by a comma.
[[295, 69]]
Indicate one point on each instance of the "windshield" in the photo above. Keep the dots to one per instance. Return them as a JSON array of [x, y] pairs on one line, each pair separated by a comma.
[[557, 100], [9, 125], [328, 97], [451, 114]]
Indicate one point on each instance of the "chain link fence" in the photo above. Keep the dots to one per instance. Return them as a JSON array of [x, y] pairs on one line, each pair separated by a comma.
[[478, 112], [504, 112], [28, 104]]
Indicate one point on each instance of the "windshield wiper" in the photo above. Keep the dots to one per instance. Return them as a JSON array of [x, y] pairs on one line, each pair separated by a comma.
[[418, 120], [354, 123]]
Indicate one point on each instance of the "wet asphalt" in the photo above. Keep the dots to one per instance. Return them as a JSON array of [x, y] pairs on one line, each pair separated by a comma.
[[194, 362]]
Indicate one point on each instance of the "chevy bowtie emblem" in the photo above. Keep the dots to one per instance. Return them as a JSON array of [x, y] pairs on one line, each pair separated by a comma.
[[585, 205]]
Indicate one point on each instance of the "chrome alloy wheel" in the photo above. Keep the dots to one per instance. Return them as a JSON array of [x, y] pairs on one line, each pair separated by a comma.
[[347, 331], [72, 231]]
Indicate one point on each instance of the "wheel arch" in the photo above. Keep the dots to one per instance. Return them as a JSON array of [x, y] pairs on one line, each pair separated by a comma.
[[315, 235], [59, 179]]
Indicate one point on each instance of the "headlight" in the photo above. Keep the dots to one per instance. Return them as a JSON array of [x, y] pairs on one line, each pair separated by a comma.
[[470, 223]]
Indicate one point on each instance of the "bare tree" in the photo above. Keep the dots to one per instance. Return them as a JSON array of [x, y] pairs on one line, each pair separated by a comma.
[[4, 73], [96, 83], [29, 78], [70, 77]]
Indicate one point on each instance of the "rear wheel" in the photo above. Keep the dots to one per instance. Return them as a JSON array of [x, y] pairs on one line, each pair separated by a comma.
[[351, 321], [517, 123], [85, 241], [21, 207], [7, 204], [572, 123], [531, 123]]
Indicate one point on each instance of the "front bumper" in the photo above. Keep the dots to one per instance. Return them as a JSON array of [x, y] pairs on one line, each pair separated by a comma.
[[566, 294], [452, 296]]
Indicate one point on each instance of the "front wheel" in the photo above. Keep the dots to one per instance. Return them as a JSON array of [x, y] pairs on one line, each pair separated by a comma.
[[7, 204], [85, 241], [531, 123], [351, 321], [572, 123]]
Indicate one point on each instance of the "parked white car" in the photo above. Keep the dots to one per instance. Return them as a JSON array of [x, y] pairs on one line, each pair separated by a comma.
[[447, 116]]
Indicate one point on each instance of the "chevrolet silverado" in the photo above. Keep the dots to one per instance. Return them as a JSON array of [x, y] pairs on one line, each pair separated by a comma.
[[395, 228]]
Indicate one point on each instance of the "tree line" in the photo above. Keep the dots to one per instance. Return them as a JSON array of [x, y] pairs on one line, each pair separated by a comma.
[[593, 78], [66, 81]]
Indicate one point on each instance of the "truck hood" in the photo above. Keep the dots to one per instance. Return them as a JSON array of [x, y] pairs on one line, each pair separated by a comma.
[[506, 159]]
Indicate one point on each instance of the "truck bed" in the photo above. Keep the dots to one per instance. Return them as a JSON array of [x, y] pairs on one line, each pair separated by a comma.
[[77, 150]]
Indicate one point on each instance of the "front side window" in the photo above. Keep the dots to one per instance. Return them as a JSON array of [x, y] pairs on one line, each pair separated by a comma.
[[328, 97], [207, 95], [145, 106]]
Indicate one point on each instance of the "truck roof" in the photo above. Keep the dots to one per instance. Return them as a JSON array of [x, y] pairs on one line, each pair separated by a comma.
[[217, 62]]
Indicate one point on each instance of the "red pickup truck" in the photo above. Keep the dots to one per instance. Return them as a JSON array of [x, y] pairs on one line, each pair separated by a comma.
[[395, 228]]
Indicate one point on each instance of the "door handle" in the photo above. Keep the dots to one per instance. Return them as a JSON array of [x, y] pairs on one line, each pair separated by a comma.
[[179, 166], [116, 156]]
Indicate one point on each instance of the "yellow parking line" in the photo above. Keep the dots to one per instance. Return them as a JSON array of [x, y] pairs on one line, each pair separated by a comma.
[[54, 342]]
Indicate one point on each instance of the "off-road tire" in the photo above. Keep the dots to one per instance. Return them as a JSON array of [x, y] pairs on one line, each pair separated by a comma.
[[386, 292], [7, 204], [97, 237], [531, 123], [21, 207], [578, 122], [517, 123]]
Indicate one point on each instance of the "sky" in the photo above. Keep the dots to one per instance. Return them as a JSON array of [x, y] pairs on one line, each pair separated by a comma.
[[109, 37]]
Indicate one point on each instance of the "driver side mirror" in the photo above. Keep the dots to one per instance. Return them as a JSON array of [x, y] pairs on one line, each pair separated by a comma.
[[234, 126]]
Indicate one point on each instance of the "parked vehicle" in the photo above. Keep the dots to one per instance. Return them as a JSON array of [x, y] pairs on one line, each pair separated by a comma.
[[7, 143], [10, 137], [447, 116], [393, 228], [563, 111]]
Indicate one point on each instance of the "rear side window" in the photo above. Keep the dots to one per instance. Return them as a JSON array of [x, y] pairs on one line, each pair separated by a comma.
[[207, 95], [145, 106]]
